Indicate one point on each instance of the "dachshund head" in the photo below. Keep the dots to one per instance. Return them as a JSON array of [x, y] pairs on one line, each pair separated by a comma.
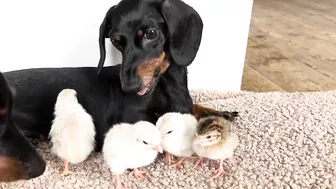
[[151, 35]]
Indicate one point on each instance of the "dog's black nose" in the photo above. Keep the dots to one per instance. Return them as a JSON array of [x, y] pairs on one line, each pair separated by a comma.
[[130, 82], [131, 86], [36, 167]]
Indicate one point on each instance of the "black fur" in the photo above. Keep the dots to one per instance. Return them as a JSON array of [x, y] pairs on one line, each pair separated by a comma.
[[14, 146], [100, 95]]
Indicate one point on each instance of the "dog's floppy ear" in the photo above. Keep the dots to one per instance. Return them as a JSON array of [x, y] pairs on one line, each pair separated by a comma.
[[104, 30], [185, 28]]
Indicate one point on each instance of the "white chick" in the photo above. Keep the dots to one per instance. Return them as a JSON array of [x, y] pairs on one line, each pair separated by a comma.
[[73, 132], [130, 146], [215, 140], [177, 131]]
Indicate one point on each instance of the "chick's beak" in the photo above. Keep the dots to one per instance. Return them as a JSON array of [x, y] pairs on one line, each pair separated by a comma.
[[201, 142], [158, 148]]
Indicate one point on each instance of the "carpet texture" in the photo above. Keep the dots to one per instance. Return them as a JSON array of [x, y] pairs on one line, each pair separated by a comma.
[[287, 140]]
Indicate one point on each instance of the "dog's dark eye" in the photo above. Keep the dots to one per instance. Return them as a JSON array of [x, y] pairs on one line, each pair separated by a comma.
[[145, 142], [169, 132], [150, 34], [116, 43], [208, 137]]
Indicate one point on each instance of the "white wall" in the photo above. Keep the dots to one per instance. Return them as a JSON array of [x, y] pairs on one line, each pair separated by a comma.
[[39, 33]]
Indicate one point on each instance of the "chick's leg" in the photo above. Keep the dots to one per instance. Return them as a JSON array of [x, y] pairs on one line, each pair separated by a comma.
[[118, 184], [219, 171], [138, 174], [169, 157], [200, 161], [178, 163], [66, 169]]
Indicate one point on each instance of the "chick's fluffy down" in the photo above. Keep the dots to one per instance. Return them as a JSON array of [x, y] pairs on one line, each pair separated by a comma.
[[182, 128], [72, 133], [122, 150], [222, 151]]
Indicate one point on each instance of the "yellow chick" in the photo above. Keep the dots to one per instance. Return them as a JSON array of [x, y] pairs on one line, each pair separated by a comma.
[[177, 131], [214, 140], [130, 146], [72, 133]]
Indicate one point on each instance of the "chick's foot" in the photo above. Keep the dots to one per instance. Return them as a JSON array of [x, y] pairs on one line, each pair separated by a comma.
[[220, 171], [66, 169], [118, 184], [138, 174], [169, 157], [177, 165]]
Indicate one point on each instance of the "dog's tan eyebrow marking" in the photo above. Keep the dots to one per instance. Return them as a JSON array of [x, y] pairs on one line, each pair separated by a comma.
[[3, 111], [117, 38], [140, 32]]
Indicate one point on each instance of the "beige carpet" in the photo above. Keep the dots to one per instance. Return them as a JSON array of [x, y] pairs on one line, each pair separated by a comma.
[[287, 140]]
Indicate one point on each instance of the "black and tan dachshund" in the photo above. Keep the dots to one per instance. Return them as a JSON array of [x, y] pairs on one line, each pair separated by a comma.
[[18, 157], [158, 39]]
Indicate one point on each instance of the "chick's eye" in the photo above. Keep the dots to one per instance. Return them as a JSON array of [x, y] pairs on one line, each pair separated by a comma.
[[150, 34], [169, 132], [145, 142]]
